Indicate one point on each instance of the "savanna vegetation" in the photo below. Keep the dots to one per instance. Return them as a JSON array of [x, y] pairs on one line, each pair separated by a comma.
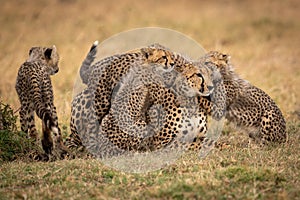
[[262, 38]]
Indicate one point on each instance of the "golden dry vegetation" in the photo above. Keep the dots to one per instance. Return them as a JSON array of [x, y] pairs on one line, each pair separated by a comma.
[[262, 37], [263, 40]]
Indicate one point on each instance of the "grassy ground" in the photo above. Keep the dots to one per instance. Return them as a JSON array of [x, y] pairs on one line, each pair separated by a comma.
[[233, 173], [261, 36]]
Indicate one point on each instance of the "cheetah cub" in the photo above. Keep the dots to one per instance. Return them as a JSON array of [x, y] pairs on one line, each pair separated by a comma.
[[35, 93], [248, 106]]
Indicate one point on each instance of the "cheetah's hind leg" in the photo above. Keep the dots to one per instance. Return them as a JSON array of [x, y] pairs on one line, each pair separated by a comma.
[[47, 141], [53, 147]]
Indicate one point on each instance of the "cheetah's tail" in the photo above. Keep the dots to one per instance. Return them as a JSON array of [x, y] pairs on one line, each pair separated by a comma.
[[85, 68], [95, 44], [54, 129]]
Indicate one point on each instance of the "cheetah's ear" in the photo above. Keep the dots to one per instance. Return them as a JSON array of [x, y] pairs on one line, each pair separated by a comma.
[[48, 53], [30, 51], [225, 56], [228, 58], [53, 49]]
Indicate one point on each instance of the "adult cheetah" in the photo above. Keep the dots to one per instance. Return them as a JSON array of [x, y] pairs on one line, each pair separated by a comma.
[[151, 110], [111, 71]]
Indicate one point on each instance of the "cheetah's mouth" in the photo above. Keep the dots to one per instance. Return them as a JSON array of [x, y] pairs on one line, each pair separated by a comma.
[[207, 97], [206, 93]]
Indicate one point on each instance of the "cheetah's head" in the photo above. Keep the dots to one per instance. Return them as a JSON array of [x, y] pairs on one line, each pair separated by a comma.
[[220, 61], [159, 55], [48, 56], [217, 58], [199, 80]]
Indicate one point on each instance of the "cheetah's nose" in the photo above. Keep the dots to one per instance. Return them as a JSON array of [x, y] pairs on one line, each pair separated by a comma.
[[210, 88], [56, 71]]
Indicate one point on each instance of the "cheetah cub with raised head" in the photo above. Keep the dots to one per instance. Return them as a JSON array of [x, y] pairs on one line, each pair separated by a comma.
[[35, 93], [248, 106]]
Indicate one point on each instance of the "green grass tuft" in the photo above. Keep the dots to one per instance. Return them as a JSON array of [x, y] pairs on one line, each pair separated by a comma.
[[8, 119], [13, 144]]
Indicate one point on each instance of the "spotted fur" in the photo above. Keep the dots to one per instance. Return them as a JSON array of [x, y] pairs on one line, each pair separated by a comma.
[[248, 106], [95, 102], [34, 88]]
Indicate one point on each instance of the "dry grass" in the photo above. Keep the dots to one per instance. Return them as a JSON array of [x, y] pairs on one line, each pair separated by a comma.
[[233, 173], [263, 39]]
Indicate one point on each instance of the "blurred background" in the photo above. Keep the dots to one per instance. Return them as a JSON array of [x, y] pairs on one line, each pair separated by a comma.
[[262, 38]]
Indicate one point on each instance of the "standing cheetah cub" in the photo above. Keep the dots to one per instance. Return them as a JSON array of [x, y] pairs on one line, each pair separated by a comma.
[[248, 106], [35, 93]]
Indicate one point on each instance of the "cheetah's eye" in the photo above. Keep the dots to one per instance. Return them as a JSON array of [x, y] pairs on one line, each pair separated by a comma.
[[200, 77], [165, 59]]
